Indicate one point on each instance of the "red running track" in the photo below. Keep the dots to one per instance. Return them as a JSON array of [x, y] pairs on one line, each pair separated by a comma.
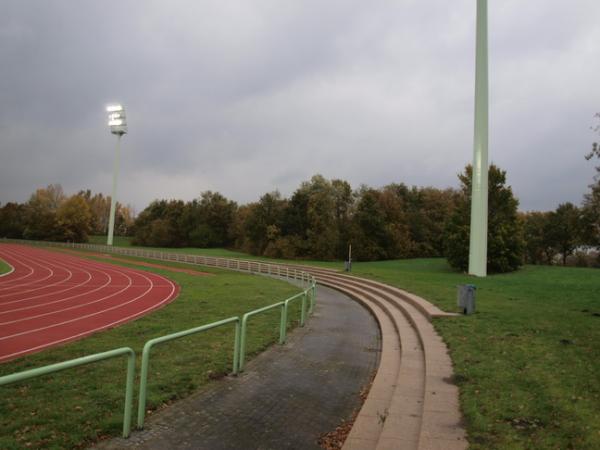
[[51, 298]]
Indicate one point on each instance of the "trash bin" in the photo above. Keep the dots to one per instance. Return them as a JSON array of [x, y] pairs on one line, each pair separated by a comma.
[[348, 266], [466, 298]]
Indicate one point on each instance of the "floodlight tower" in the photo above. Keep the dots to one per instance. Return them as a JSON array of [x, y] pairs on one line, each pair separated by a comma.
[[118, 125], [479, 177]]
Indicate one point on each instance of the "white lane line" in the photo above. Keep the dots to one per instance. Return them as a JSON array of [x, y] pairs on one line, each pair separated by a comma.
[[41, 305], [75, 319], [81, 305], [17, 292], [43, 294], [22, 257], [4, 284], [46, 294], [121, 320], [75, 336]]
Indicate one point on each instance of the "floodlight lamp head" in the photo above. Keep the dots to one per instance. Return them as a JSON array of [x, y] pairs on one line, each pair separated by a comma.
[[117, 120]]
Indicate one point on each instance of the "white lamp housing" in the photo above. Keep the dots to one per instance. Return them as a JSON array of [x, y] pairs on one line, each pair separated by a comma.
[[117, 121]]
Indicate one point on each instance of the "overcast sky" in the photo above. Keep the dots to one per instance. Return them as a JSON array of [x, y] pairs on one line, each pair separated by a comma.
[[245, 97]]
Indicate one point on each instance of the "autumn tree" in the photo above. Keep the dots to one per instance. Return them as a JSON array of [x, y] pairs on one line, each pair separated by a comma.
[[40, 218], [73, 220]]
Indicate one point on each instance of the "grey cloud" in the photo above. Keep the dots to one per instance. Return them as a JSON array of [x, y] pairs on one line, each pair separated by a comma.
[[248, 97]]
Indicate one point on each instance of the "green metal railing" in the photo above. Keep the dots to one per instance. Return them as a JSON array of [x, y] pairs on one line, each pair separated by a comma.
[[152, 342], [244, 332], [284, 305], [39, 371]]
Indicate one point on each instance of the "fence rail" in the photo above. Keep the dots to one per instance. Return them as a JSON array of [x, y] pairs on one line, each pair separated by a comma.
[[44, 370], [170, 337], [243, 265]]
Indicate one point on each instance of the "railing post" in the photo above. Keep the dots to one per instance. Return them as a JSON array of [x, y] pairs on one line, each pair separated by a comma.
[[143, 385], [303, 309], [237, 349], [129, 394], [242, 357], [282, 324]]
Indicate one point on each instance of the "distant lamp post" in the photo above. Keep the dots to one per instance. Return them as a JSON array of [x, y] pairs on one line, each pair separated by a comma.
[[118, 125]]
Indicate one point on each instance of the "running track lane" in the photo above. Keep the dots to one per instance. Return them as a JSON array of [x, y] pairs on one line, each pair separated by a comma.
[[51, 298]]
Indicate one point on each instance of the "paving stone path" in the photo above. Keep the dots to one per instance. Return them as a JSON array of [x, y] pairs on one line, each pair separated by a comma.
[[286, 398]]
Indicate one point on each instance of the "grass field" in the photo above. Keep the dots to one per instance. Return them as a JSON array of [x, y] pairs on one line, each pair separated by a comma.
[[4, 268], [527, 363], [120, 241], [74, 408]]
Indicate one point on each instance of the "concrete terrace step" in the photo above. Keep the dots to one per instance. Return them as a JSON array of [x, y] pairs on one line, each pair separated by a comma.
[[423, 410]]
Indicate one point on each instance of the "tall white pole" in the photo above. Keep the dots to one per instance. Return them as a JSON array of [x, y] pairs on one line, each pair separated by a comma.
[[113, 199], [479, 180]]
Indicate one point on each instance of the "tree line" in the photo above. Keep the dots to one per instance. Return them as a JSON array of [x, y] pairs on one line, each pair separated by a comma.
[[323, 217], [51, 215]]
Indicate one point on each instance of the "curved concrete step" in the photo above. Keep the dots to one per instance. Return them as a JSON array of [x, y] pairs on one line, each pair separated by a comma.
[[423, 412]]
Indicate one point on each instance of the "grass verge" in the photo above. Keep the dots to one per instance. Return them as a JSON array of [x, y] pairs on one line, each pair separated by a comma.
[[73, 408], [4, 267], [528, 362]]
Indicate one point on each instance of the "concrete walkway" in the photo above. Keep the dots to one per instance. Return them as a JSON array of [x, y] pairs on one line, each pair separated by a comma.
[[287, 397]]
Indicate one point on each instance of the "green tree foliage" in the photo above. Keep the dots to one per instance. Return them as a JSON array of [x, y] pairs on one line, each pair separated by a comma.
[[564, 229], [12, 220], [208, 221], [505, 236], [159, 224], [369, 237], [539, 249], [263, 222], [424, 212], [322, 234], [316, 220]]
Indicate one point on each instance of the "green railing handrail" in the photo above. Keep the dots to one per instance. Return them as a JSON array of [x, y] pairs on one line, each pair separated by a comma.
[[149, 344], [44, 370], [302, 295], [313, 296], [245, 317], [283, 320]]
